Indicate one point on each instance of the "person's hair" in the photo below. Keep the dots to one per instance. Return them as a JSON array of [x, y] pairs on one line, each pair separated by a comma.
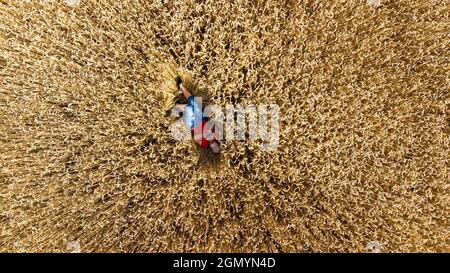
[[214, 146]]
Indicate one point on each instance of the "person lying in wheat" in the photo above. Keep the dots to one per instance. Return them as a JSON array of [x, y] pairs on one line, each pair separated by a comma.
[[194, 119]]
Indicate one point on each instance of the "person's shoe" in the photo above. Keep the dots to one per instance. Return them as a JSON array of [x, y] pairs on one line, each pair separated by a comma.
[[178, 81]]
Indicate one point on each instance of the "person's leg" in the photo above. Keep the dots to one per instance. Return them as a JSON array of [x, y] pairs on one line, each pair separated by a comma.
[[194, 109], [185, 91], [180, 106]]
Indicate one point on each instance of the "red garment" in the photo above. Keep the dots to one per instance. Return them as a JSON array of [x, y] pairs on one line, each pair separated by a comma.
[[201, 130]]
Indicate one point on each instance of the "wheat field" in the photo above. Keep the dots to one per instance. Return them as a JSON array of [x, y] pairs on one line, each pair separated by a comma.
[[87, 159]]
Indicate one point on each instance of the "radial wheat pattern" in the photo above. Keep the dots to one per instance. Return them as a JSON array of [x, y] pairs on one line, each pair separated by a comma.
[[87, 161]]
